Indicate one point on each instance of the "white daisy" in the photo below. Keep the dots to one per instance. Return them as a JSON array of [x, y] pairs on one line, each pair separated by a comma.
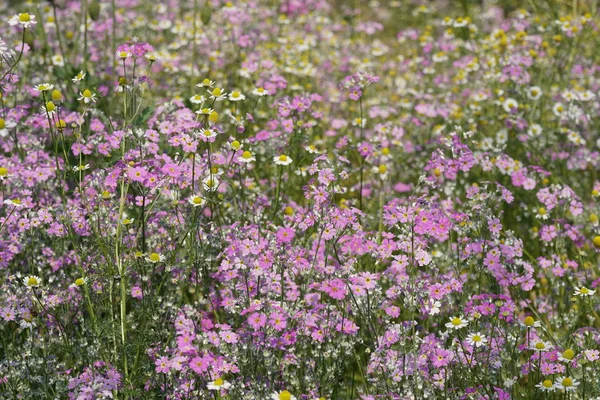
[[26, 20], [457, 323], [32, 281], [584, 292], [155, 258], [282, 160], [218, 384], [260, 92], [510, 104], [196, 201], [476, 339], [534, 93], [236, 96]]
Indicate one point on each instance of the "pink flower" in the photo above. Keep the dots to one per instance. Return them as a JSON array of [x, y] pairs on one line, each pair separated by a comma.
[[163, 365], [137, 174], [278, 321], [136, 292], [285, 235], [257, 321], [335, 288], [199, 365]]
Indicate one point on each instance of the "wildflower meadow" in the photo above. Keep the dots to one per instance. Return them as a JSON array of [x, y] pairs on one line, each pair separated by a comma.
[[300, 199]]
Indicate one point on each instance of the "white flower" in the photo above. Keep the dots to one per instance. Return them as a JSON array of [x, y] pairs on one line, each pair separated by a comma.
[[155, 258], [235, 145], [558, 109], [460, 22], [566, 383], [546, 386], [282, 160], [583, 291], [206, 83], [246, 157], [457, 323], [535, 130], [13, 202], [87, 96], [43, 87], [26, 20], [152, 57], [260, 92], [435, 307], [80, 76], [196, 201], [217, 94], [32, 281], [210, 183], [218, 384], [197, 99], [81, 167], [534, 92], [283, 395], [123, 54], [541, 346], [206, 134], [5, 127], [204, 111], [476, 339], [236, 96], [79, 282], [58, 60], [510, 104]]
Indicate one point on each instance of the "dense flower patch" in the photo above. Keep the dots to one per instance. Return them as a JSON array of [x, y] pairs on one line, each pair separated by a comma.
[[299, 200]]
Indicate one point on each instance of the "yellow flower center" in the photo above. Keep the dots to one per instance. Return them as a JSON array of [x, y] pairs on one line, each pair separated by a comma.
[[3, 171], [246, 155], [382, 169], [547, 383], [529, 321], [218, 382], [213, 117], [24, 17], [260, 90], [477, 338], [154, 257], [542, 211], [50, 106], [235, 94], [456, 321], [235, 144], [567, 382], [2, 123], [56, 95], [16, 201], [584, 290], [285, 395], [206, 82], [217, 92], [283, 158], [540, 346], [197, 200], [569, 354], [32, 281], [79, 281]]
